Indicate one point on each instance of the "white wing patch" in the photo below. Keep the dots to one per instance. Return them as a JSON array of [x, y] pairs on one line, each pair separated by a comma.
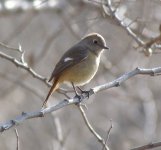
[[68, 59]]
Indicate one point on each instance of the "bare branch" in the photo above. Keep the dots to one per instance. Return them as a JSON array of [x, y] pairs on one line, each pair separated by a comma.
[[23, 65], [121, 23], [58, 129], [8, 47], [40, 113], [148, 146], [99, 138], [117, 82], [147, 48], [108, 134], [17, 137], [126, 76]]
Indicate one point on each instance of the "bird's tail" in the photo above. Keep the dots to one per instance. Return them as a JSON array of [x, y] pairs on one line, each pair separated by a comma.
[[53, 88]]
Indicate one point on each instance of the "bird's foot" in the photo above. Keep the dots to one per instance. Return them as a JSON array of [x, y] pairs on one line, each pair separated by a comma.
[[84, 92], [44, 106], [79, 96]]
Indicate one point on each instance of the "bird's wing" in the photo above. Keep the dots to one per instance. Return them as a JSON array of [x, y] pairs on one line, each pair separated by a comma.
[[72, 57]]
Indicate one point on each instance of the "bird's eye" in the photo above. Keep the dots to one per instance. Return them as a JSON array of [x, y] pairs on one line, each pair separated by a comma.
[[95, 41]]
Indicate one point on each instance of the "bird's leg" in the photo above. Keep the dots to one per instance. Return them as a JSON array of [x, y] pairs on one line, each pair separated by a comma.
[[84, 91], [76, 92]]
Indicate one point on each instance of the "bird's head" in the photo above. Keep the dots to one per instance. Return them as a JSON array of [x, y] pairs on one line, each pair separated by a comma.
[[95, 43]]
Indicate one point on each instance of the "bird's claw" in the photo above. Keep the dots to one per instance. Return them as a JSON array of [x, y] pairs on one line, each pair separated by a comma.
[[84, 92], [79, 97]]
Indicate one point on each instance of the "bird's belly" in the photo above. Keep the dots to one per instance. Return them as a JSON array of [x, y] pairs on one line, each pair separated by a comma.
[[81, 73]]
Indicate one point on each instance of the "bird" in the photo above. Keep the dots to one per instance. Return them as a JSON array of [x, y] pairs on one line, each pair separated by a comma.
[[79, 64]]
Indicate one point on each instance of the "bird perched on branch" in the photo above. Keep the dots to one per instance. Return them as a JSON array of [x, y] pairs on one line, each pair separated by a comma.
[[79, 64]]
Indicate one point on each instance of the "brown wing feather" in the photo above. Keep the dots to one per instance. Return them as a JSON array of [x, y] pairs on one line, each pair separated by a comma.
[[78, 53]]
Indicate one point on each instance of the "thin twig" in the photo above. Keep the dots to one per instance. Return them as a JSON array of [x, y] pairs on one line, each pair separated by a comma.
[[147, 48], [8, 47], [99, 138], [58, 129], [24, 66], [17, 137], [148, 146], [121, 23], [108, 134]]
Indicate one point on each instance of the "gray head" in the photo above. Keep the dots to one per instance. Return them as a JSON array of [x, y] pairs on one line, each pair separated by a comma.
[[94, 42]]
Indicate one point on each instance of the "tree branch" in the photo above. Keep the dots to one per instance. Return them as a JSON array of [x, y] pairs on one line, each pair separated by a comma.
[[99, 138], [17, 137], [115, 83], [112, 13], [23, 65], [126, 76], [147, 47], [108, 135], [148, 146]]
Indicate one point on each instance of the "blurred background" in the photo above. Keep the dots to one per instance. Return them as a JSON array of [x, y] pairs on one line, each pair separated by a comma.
[[45, 30]]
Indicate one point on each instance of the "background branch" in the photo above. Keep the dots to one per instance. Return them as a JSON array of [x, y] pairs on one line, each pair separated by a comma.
[[148, 146], [92, 130], [17, 139], [24, 65], [147, 48], [108, 135]]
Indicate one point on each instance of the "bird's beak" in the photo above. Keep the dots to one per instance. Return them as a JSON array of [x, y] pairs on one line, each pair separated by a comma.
[[105, 47]]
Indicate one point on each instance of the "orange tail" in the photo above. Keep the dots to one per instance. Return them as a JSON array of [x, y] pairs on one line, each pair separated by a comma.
[[52, 89]]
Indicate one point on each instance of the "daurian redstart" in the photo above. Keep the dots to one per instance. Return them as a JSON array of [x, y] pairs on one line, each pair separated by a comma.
[[79, 64]]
